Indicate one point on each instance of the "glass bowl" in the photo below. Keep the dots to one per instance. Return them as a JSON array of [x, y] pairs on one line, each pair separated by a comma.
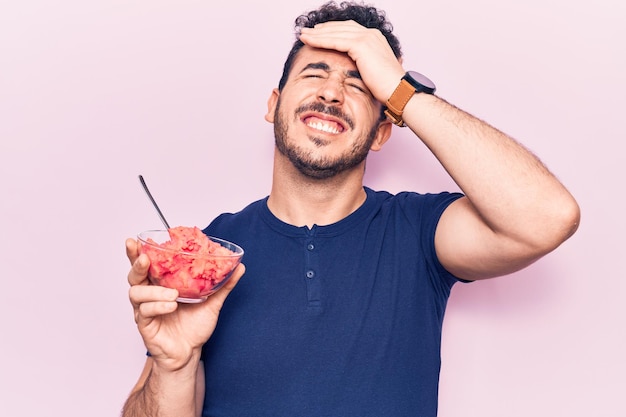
[[186, 259]]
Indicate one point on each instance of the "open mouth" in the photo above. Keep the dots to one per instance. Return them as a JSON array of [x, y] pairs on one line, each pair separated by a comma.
[[324, 123]]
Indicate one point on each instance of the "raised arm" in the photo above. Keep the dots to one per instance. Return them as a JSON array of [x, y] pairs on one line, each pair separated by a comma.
[[515, 210], [172, 381]]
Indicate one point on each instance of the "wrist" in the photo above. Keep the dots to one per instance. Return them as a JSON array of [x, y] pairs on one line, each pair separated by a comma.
[[172, 393], [176, 365]]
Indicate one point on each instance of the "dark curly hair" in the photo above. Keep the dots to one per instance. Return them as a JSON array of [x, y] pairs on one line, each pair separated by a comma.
[[365, 15]]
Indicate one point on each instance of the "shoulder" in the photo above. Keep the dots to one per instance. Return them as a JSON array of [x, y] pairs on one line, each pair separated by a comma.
[[418, 203], [236, 220]]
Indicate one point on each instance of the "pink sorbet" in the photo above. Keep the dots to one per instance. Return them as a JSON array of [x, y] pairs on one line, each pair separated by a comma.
[[189, 262]]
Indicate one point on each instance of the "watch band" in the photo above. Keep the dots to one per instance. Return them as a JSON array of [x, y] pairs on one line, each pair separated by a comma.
[[412, 82], [398, 100]]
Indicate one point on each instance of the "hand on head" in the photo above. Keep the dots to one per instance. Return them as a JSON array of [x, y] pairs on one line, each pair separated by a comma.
[[379, 68]]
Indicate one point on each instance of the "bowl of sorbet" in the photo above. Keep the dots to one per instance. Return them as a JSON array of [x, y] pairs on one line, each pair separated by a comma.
[[186, 259]]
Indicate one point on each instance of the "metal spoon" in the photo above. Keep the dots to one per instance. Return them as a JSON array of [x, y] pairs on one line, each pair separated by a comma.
[[145, 187]]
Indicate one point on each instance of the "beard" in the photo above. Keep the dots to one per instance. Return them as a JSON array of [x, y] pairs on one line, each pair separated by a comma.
[[320, 167]]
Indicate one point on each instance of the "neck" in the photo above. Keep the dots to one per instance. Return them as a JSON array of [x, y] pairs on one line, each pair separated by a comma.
[[303, 201]]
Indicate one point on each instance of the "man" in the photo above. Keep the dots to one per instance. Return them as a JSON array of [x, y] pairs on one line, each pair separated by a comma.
[[341, 309]]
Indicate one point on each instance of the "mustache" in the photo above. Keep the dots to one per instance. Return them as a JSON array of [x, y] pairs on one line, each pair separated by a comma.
[[329, 110]]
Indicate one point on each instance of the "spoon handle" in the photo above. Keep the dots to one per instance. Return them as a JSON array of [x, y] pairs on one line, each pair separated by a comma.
[[145, 187]]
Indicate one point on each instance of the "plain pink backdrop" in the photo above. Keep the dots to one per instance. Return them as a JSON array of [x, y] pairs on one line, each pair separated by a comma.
[[93, 93]]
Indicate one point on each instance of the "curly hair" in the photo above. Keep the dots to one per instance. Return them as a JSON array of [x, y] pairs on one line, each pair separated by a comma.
[[365, 15]]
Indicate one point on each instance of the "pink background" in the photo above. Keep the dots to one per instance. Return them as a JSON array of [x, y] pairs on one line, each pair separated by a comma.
[[93, 93]]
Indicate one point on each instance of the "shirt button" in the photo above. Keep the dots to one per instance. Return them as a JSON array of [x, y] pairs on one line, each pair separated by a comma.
[[310, 246], [310, 274]]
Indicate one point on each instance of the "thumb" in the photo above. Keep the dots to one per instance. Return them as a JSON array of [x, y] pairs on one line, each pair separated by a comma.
[[132, 249]]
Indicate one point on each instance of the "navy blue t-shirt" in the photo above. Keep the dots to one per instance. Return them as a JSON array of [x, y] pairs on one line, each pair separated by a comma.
[[342, 320]]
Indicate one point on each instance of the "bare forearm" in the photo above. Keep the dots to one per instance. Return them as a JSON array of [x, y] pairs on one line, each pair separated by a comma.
[[164, 395], [511, 189], [142, 402]]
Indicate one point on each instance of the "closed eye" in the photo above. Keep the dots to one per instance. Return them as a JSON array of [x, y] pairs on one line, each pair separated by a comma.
[[358, 87]]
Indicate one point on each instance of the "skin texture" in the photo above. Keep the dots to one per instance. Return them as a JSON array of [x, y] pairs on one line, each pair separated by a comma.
[[332, 120], [514, 211]]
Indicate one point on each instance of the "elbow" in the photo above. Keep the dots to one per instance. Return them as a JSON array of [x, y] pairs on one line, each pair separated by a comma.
[[562, 224], [574, 221], [569, 219]]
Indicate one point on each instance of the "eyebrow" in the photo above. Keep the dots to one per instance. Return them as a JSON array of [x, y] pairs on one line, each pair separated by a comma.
[[325, 67]]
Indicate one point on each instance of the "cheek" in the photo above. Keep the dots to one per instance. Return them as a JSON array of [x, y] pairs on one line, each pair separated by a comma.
[[368, 109], [376, 110]]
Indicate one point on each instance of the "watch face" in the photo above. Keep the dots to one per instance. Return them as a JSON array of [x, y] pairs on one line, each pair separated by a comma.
[[422, 80]]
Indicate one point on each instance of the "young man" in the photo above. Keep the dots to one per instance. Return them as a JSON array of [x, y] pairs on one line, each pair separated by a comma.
[[341, 309]]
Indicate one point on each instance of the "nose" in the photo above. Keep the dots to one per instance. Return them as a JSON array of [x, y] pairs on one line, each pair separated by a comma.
[[331, 91]]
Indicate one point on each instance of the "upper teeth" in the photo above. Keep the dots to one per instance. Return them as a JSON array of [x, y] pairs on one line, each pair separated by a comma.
[[324, 127]]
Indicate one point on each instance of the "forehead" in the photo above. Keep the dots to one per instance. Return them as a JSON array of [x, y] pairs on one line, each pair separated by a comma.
[[334, 59]]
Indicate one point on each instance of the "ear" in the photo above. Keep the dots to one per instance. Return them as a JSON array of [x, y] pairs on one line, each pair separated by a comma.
[[382, 135], [272, 101]]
